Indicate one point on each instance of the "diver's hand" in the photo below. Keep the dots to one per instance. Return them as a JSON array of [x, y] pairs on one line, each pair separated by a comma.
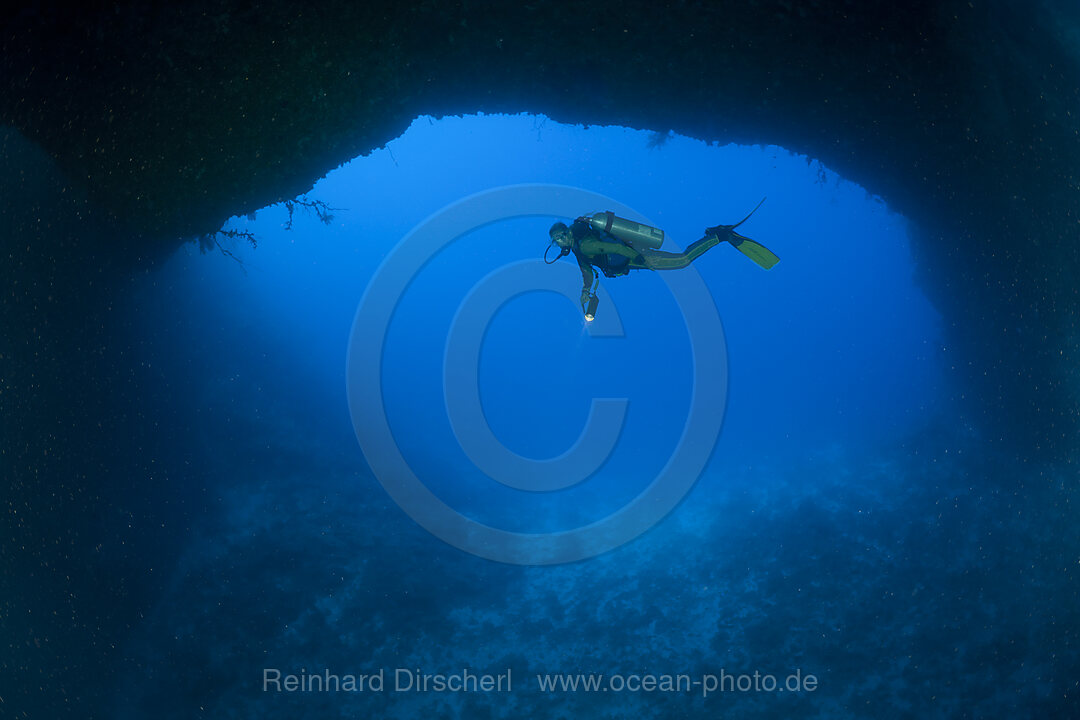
[[585, 294]]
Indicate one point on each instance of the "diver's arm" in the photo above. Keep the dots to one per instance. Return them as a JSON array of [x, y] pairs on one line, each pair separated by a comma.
[[588, 277]]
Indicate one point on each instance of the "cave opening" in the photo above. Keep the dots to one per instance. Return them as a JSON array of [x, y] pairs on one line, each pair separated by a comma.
[[835, 347], [832, 357]]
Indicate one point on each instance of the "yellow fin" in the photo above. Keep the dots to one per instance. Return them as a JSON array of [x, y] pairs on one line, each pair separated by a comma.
[[757, 252]]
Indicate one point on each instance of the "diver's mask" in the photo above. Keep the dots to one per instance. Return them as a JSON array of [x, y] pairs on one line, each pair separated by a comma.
[[560, 238]]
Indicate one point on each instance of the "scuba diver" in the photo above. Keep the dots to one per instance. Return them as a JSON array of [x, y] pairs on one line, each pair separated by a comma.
[[615, 246]]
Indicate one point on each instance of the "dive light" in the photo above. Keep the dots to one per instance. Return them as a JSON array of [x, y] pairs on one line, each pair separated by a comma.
[[590, 311]]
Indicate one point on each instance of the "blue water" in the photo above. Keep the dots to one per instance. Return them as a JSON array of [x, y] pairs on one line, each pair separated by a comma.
[[824, 534]]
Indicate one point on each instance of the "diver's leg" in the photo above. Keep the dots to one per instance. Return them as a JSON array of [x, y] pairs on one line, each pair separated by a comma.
[[660, 260]]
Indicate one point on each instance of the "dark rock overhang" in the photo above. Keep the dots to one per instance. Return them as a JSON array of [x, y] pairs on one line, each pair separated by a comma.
[[962, 115]]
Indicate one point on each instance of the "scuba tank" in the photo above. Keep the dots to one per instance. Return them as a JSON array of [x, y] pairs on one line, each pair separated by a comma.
[[634, 234]]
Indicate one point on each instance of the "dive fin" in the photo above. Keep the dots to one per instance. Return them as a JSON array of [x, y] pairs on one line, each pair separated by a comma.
[[757, 252]]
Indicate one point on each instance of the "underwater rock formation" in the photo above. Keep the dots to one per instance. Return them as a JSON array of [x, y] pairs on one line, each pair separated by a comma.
[[140, 126], [958, 113]]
